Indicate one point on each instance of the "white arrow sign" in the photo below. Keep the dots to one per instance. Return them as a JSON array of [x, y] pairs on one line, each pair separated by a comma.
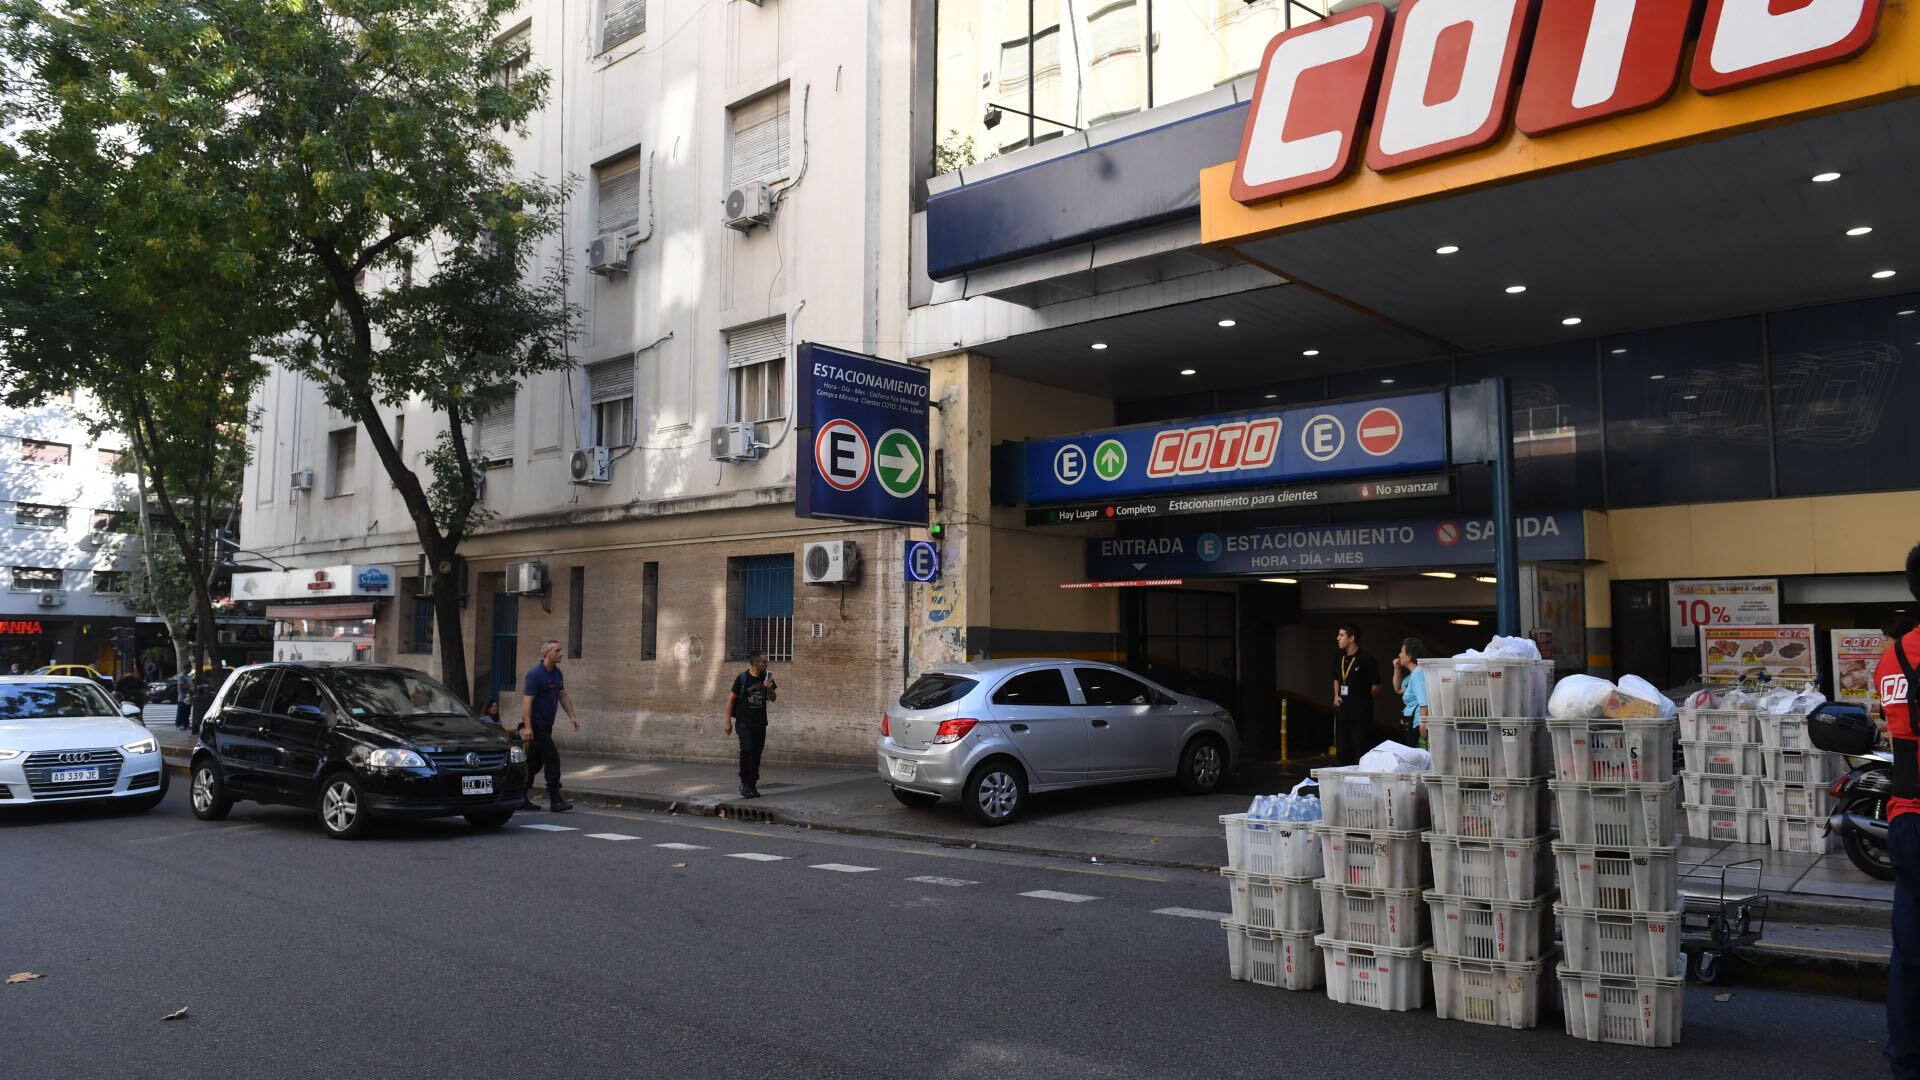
[[903, 464]]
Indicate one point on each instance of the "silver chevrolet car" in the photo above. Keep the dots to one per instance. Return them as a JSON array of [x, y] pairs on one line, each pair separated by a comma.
[[990, 733]]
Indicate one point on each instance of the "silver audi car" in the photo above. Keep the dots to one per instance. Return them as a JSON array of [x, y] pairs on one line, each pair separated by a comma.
[[990, 733]]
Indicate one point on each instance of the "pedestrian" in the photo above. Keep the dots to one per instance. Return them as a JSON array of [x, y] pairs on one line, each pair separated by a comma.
[[1894, 677], [131, 690], [753, 690], [1410, 682], [183, 694], [1356, 682], [541, 696], [16, 669], [490, 712]]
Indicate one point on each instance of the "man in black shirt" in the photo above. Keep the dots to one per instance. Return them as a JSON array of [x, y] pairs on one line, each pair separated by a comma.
[[753, 689], [1356, 682]]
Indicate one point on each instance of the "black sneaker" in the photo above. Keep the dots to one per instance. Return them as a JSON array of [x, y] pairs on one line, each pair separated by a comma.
[[527, 803], [753, 793], [558, 805]]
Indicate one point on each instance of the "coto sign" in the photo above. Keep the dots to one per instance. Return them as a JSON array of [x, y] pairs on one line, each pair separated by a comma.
[[1444, 83], [1213, 448]]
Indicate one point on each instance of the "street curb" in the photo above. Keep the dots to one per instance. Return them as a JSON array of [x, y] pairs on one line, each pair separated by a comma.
[[1872, 914], [1833, 972]]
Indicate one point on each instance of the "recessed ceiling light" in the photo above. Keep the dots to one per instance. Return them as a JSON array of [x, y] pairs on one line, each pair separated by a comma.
[[1446, 249], [1446, 575], [1571, 320], [1309, 352], [1688, 397], [1516, 289], [1386, 382], [1099, 345], [1618, 352], [1188, 371], [1487, 580], [1860, 230], [1352, 586], [1270, 397], [1825, 177], [1655, 378], [1882, 275], [1227, 322], [1281, 580], [1464, 622], [1908, 311]]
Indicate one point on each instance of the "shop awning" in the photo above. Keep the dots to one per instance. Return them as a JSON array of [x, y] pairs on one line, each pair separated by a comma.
[[320, 611]]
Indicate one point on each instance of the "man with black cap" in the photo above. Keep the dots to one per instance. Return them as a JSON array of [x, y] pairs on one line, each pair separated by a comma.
[[1894, 679]]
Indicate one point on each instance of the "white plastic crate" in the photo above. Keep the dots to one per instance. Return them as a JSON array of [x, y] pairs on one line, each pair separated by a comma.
[[1722, 759], [1618, 879], [1487, 809], [1380, 859], [1351, 799], [1620, 814], [1718, 725], [1475, 689], [1799, 800], [1272, 848], [1510, 994], [1623, 943], [1788, 732], [1505, 748], [1727, 823], [1379, 977], [1802, 766], [1368, 916], [1283, 958], [1503, 930], [1639, 1011], [1273, 903], [1807, 835], [1490, 869], [1731, 792], [1630, 751]]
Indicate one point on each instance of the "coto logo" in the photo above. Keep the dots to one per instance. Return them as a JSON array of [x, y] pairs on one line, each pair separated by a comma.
[[1893, 689], [1444, 83], [1212, 448]]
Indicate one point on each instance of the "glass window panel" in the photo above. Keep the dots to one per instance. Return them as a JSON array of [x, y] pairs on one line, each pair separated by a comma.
[[1395, 379], [1047, 686], [1555, 392], [1846, 386], [1686, 414]]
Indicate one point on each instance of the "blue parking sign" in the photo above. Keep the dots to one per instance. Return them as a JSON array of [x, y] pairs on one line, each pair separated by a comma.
[[861, 438], [922, 561]]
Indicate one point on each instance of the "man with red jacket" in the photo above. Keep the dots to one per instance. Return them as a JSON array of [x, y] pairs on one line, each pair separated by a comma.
[[1895, 678]]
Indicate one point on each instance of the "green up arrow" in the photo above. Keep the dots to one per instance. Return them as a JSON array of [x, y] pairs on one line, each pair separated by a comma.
[[1110, 459]]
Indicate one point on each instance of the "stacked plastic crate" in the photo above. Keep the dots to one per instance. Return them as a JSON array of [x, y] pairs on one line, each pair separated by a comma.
[[1617, 801], [1271, 869], [1491, 907], [1374, 930], [1722, 783], [1797, 777]]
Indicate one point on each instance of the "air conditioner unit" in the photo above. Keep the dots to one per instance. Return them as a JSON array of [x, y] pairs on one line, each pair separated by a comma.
[[526, 577], [229, 637], [52, 599], [590, 465], [607, 255], [95, 539], [733, 442], [830, 562], [302, 480], [748, 205]]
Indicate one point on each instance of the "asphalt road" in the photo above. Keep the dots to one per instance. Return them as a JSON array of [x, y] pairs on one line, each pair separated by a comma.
[[432, 950]]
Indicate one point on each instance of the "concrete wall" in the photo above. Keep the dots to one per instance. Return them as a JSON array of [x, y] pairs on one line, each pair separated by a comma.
[[81, 486]]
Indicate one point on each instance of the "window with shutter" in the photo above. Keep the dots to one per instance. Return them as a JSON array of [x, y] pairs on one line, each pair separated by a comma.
[[759, 150], [610, 391], [757, 367], [618, 189], [496, 434], [621, 20], [517, 45]]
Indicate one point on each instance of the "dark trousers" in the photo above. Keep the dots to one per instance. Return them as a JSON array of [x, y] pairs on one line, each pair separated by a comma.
[[181, 714], [1903, 974], [541, 752], [1354, 734], [753, 739]]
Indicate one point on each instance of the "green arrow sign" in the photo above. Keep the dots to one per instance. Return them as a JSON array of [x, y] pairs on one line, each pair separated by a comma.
[[1110, 459], [899, 463]]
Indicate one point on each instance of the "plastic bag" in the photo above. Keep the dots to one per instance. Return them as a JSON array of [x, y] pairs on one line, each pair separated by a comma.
[[1393, 757], [1646, 691], [1701, 699], [1578, 697], [1808, 700], [1778, 701]]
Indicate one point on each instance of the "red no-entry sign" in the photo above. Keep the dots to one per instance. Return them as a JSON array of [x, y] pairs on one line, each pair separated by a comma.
[[1380, 431]]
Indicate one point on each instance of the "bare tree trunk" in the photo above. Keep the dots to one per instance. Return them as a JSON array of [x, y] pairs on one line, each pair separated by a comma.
[[446, 619]]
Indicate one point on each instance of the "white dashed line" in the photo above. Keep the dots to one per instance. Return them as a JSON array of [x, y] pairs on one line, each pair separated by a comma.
[[843, 868], [755, 856], [550, 828], [1063, 897], [950, 882], [681, 847], [610, 836], [1193, 913]]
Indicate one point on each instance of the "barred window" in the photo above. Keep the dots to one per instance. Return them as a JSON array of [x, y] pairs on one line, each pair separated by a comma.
[[760, 607]]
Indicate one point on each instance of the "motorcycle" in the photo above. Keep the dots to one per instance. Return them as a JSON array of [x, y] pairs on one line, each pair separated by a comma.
[[1860, 797]]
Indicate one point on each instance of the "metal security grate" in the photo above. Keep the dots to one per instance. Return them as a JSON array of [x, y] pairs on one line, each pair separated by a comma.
[[760, 607]]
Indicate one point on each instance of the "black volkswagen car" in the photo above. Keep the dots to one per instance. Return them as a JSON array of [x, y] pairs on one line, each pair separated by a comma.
[[355, 742]]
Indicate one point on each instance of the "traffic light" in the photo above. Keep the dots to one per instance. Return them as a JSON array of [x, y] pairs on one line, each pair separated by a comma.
[[936, 530]]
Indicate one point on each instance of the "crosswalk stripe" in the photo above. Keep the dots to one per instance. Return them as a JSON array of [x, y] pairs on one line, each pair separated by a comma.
[[1193, 913], [610, 836], [950, 882], [843, 868], [755, 856], [543, 827], [681, 847], [1063, 897]]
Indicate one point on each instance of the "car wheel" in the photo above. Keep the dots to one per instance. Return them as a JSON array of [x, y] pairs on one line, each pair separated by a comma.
[[492, 819], [919, 800], [343, 807], [1203, 765], [209, 792], [995, 793]]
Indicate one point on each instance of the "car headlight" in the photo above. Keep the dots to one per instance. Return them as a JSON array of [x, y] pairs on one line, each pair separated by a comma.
[[144, 746], [516, 753], [395, 759], [9, 755]]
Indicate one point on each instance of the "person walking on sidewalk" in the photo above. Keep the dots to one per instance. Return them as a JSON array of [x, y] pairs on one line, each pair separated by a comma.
[[1894, 678], [1356, 682], [541, 697], [753, 690]]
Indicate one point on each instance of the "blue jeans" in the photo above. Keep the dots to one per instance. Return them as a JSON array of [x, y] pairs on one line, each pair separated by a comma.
[[1903, 974]]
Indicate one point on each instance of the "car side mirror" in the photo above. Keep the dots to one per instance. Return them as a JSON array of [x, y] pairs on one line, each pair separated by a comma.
[[129, 710], [313, 714]]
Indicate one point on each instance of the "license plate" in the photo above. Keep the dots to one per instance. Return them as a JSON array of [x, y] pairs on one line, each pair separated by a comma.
[[75, 776], [902, 770], [476, 785]]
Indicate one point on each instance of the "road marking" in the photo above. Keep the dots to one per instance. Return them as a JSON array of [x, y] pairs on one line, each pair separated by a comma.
[[1063, 897], [755, 856], [543, 827], [1193, 913], [731, 829], [950, 882], [681, 847], [1107, 873], [610, 836], [843, 868]]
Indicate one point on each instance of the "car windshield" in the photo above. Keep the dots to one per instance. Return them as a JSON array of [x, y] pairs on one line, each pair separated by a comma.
[[935, 690], [52, 701], [376, 692]]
